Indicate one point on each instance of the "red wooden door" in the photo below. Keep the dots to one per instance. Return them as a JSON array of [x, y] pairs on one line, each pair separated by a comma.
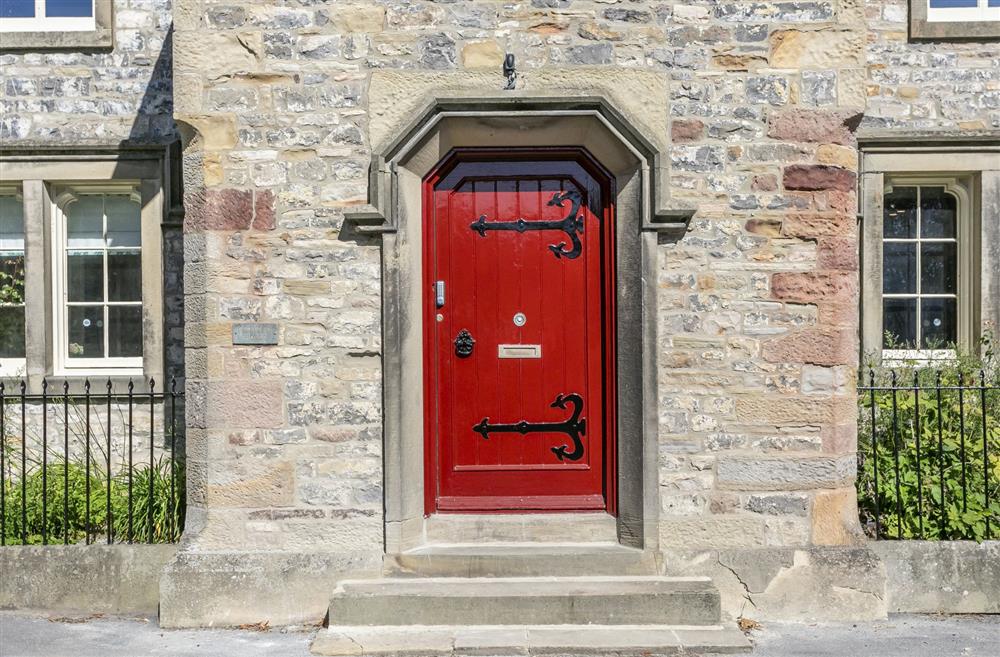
[[519, 333]]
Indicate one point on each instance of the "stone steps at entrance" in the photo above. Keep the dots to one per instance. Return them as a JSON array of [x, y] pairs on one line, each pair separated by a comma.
[[526, 601], [617, 640], [520, 560], [620, 614]]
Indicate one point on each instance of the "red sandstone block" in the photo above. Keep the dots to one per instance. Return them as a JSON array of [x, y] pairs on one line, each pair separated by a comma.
[[231, 209], [813, 346], [814, 286], [835, 127], [837, 253], [687, 130], [811, 226], [818, 177]]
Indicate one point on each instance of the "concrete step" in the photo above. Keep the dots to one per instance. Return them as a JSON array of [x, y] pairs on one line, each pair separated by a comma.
[[617, 640], [593, 600], [520, 560]]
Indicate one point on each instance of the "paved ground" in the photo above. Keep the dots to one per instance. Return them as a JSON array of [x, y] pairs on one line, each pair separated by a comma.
[[900, 636]]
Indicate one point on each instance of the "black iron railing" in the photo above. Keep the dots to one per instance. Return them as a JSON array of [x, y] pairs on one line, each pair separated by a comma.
[[89, 464], [929, 455]]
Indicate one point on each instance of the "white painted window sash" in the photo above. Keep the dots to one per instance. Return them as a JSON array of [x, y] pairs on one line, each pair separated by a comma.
[[981, 12], [63, 364], [965, 239], [42, 23]]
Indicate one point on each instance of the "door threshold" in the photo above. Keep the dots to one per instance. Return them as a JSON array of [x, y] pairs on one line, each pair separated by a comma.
[[510, 559], [452, 528]]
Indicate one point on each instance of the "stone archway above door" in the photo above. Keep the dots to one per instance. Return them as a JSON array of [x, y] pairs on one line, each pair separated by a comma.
[[416, 119]]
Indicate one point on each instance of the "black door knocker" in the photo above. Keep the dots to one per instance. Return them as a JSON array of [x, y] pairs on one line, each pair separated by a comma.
[[464, 343]]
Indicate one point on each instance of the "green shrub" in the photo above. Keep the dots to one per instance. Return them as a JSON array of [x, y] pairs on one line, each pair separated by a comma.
[[947, 457], [168, 516]]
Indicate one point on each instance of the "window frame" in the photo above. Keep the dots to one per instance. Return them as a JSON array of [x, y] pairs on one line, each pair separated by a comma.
[[99, 36], [966, 240], [42, 23], [977, 160], [927, 24], [14, 366], [41, 175], [63, 195]]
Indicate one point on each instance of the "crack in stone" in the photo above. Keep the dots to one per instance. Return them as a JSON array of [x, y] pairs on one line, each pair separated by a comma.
[[739, 579]]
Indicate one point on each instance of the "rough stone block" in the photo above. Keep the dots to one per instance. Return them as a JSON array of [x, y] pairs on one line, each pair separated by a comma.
[[792, 411], [813, 287], [818, 177], [816, 346], [819, 224], [785, 473], [244, 404], [814, 126], [234, 588], [823, 48], [352, 19], [835, 518], [482, 54], [941, 577]]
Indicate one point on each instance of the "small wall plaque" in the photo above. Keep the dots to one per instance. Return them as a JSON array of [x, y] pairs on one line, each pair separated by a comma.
[[255, 334]]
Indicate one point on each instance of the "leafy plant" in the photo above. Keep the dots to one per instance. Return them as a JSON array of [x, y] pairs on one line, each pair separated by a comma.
[[64, 487], [929, 449]]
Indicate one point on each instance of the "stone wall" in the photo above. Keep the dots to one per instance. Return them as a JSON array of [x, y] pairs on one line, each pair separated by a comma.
[[757, 303], [939, 85], [64, 98]]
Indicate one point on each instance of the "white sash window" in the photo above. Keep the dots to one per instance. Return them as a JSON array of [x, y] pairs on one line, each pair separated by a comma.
[[47, 15]]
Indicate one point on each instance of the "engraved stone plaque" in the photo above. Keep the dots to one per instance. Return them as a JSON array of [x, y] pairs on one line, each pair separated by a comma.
[[255, 334]]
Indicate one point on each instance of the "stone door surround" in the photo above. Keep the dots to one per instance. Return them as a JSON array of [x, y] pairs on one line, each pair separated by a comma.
[[598, 110]]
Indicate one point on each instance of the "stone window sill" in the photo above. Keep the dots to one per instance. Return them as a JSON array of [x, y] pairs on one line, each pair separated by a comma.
[[99, 39], [923, 29]]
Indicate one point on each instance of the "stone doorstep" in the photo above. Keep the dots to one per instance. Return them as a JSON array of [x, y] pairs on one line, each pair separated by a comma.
[[470, 601], [510, 559], [488, 640]]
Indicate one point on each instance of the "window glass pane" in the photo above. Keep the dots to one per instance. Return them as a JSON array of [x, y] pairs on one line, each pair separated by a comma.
[[937, 212], [899, 271], [17, 8], [85, 276], [69, 8], [124, 276], [952, 4], [11, 331], [86, 331], [938, 323], [994, 3], [11, 278], [899, 322], [900, 214], [123, 221], [125, 331], [11, 224], [85, 223], [938, 268]]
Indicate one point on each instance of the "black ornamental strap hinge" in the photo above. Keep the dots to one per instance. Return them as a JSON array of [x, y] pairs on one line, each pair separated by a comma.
[[572, 225], [575, 427]]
